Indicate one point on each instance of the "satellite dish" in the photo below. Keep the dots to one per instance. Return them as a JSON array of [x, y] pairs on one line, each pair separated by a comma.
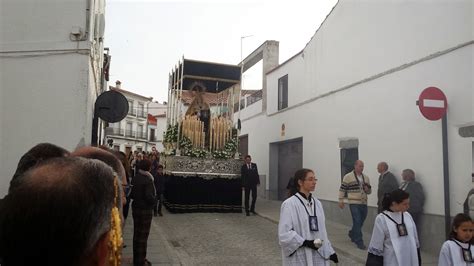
[[111, 106]]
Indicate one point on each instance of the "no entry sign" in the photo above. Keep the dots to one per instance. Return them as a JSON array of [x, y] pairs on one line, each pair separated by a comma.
[[432, 103]]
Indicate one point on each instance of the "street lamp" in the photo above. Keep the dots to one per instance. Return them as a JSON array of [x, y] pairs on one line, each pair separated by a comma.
[[240, 90]]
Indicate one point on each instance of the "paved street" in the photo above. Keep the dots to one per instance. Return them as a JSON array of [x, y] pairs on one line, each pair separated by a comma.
[[212, 239]]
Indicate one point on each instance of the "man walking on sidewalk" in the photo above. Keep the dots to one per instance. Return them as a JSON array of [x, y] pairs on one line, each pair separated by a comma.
[[354, 188], [387, 183], [250, 181]]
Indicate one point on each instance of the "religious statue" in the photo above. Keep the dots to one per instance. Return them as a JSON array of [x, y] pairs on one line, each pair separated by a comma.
[[200, 108]]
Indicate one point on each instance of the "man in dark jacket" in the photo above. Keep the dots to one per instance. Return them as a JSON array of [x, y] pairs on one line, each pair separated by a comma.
[[143, 196], [159, 181], [250, 181], [387, 183]]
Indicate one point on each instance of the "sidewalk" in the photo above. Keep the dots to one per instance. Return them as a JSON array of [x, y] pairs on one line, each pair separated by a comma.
[[337, 233], [159, 251]]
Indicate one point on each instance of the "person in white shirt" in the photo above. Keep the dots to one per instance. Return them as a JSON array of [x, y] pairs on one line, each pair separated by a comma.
[[458, 250], [302, 228], [394, 237]]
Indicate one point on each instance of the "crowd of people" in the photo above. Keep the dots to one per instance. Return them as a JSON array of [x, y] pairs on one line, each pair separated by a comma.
[[69, 208], [302, 231]]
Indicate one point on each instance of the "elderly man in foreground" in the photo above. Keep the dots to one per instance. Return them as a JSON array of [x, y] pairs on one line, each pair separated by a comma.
[[65, 211]]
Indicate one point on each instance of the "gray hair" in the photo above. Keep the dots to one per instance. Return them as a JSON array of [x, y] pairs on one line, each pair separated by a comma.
[[64, 205], [410, 173]]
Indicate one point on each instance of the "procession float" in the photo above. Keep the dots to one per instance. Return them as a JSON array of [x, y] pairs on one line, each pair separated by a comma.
[[201, 157]]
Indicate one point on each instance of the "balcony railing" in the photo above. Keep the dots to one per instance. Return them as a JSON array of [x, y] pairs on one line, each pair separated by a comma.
[[141, 113], [129, 134], [141, 135], [114, 131], [111, 131], [255, 97]]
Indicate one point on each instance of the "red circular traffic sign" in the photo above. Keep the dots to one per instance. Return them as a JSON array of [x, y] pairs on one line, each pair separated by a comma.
[[432, 103]]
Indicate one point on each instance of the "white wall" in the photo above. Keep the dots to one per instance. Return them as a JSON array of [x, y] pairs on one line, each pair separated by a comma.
[[43, 104], [382, 114], [297, 91], [358, 40], [160, 129], [48, 82], [45, 25], [362, 38], [249, 111]]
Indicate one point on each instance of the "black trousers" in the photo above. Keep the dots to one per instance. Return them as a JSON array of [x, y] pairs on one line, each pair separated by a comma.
[[249, 189], [141, 229], [158, 204], [126, 208]]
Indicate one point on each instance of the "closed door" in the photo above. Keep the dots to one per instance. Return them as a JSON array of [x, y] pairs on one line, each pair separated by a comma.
[[244, 145], [290, 159]]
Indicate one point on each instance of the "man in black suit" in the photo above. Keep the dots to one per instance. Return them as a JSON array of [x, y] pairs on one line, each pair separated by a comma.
[[250, 181], [387, 183]]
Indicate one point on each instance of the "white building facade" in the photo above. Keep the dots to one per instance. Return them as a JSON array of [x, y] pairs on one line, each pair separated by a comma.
[[132, 133], [354, 87], [51, 72], [158, 111]]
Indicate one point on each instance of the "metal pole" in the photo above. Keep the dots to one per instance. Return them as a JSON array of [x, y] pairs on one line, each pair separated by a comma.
[[241, 85], [447, 211], [175, 94], [172, 97], [180, 95], [168, 103]]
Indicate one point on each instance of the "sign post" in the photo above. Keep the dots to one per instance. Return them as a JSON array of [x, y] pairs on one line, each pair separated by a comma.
[[433, 106]]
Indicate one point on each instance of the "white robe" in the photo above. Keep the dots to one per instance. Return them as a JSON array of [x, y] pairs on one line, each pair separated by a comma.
[[451, 254], [396, 250], [293, 229]]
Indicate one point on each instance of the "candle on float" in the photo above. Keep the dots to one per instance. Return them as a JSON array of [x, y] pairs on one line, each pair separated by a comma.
[[203, 139], [210, 134]]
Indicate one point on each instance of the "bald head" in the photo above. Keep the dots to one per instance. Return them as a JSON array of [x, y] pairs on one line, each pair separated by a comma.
[[58, 212], [34, 156], [104, 156], [359, 167]]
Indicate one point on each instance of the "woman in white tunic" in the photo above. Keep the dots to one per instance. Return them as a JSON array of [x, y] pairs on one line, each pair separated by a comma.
[[394, 238], [302, 230], [458, 250]]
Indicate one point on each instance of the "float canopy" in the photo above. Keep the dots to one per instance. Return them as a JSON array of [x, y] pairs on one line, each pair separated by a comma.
[[214, 77]]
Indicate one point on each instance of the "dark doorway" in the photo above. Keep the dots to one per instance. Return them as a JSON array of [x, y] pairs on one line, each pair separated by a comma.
[[244, 145], [348, 158], [290, 159]]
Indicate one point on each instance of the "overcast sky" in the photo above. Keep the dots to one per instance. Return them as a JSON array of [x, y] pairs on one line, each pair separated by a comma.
[[148, 38]]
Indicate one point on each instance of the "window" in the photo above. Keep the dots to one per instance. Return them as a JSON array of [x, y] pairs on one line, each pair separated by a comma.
[[141, 110], [348, 158], [130, 108], [128, 131], [140, 133], [152, 134], [283, 92]]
